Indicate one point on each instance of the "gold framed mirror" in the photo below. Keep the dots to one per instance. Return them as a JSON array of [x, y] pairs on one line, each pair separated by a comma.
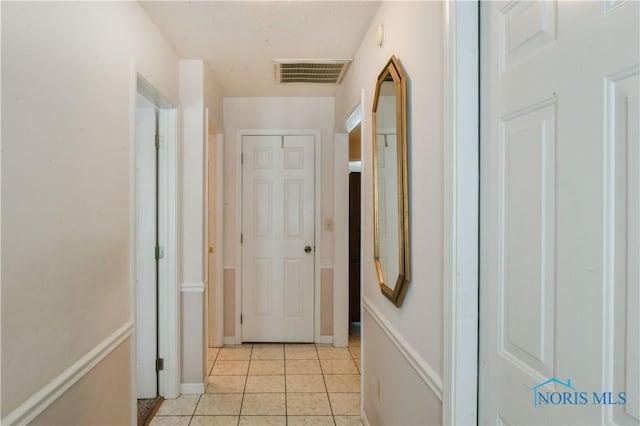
[[390, 182]]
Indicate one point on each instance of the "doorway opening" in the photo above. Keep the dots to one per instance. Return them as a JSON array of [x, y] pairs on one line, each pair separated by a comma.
[[154, 230], [355, 169]]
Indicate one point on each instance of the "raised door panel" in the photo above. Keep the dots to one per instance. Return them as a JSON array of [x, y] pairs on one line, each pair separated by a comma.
[[528, 228], [263, 209], [623, 326]]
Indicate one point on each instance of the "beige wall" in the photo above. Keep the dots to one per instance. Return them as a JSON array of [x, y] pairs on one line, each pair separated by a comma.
[[213, 100], [193, 362], [66, 87], [413, 32], [326, 302], [354, 143], [96, 399], [403, 397], [229, 302]]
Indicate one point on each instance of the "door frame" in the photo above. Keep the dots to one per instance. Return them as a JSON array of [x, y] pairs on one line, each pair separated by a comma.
[[216, 287], [218, 243], [317, 226], [341, 216], [461, 211], [169, 308]]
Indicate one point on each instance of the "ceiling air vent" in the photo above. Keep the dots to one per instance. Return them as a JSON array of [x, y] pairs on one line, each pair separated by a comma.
[[310, 71]]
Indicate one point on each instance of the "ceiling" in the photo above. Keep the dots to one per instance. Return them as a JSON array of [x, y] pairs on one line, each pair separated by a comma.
[[239, 40]]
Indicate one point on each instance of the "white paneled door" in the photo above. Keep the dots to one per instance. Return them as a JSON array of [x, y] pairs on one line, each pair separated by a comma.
[[278, 238], [560, 187]]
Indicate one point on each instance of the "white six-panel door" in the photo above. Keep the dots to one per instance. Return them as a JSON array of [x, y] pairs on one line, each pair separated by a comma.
[[277, 226], [559, 211]]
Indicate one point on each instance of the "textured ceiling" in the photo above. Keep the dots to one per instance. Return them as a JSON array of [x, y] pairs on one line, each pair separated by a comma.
[[239, 40]]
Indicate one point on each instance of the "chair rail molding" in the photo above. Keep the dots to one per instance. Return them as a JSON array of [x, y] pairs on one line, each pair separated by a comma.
[[39, 401], [417, 362]]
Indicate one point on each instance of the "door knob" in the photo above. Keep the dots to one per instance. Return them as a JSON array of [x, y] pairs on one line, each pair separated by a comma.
[[307, 249]]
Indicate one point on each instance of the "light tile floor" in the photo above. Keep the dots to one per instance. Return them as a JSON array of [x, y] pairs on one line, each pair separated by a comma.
[[273, 384]]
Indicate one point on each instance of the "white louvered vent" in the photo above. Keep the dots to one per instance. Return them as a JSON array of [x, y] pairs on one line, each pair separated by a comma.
[[310, 71]]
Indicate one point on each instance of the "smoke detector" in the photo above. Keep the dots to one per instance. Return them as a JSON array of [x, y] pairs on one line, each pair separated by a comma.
[[330, 71]]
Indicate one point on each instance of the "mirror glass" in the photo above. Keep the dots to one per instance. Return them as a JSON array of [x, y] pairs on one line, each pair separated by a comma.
[[390, 182], [387, 180]]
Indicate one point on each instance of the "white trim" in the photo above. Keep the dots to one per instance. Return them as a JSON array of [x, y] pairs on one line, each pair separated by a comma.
[[355, 166], [192, 287], [341, 240], [130, 132], [324, 340], [317, 220], [363, 417], [205, 222], [326, 266], [419, 364], [461, 195], [354, 119], [192, 388], [219, 243], [229, 266], [133, 103], [38, 402]]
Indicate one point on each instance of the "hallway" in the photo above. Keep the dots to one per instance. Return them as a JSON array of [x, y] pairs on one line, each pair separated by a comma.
[[273, 384], [176, 185]]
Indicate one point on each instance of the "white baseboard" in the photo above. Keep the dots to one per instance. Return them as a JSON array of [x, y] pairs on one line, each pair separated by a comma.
[[365, 420], [325, 340], [38, 402], [192, 388], [419, 364]]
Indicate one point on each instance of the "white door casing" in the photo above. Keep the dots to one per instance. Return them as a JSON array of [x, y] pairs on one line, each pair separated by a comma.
[[278, 216], [212, 231], [144, 95], [461, 212], [559, 211]]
